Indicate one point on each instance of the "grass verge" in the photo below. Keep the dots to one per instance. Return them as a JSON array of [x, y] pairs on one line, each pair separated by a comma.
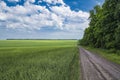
[[106, 54]]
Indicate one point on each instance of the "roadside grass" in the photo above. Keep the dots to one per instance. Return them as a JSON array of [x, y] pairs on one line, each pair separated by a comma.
[[39, 60], [106, 54]]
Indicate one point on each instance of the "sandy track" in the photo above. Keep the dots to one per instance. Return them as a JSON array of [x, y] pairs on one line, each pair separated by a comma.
[[95, 67]]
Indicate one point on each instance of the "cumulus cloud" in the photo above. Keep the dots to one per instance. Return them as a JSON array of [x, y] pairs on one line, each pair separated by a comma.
[[13, 0], [31, 16], [54, 1]]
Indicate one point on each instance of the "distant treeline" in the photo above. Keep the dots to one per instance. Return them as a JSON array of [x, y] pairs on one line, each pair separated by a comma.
[[104, 27], [41, 39]]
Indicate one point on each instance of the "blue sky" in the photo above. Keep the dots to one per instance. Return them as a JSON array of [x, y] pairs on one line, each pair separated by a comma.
[[45, 19]]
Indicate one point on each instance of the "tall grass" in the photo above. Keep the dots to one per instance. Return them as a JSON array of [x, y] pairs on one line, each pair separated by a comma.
[[39, 60]]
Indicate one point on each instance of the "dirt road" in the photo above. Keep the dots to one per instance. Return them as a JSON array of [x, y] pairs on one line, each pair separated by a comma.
[[95, 67]]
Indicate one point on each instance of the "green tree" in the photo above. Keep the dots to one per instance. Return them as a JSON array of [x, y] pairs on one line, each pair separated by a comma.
[[104, 26]]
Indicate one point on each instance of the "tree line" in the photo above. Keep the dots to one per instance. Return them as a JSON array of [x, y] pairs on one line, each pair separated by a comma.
[[104, 26]]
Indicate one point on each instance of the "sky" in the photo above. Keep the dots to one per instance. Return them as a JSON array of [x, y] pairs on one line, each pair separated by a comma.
[[45, 19]]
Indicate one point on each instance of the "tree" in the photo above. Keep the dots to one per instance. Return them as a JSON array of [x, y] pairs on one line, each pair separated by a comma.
[[104, 26]]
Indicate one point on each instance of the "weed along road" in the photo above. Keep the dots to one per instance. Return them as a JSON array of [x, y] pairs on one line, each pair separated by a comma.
[[95, 67]]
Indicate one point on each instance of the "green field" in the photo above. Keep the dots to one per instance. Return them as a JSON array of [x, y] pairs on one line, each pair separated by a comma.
[[39, 60]]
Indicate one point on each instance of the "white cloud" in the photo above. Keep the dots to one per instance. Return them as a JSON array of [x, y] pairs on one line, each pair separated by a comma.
[[32, 16], [30, 1], [54, 1], [13, 0], [99, 2], [70, 18]]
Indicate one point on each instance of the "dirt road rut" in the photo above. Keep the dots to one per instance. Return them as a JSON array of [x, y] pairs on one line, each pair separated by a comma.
[[95, 67]]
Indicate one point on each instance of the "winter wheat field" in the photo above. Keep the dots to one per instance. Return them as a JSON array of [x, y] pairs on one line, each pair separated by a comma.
[[39, 60]]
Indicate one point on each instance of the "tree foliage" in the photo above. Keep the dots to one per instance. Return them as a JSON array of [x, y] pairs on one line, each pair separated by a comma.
[[104, 26]]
